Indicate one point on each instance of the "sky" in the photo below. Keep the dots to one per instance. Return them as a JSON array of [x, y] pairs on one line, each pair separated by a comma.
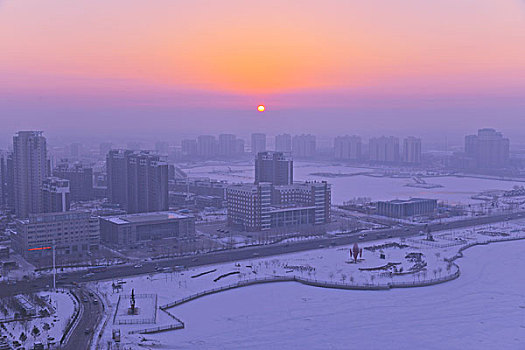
[[330, 67]]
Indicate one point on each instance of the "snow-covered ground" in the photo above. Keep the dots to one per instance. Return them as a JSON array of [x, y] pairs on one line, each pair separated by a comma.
[[51, 328], [454, 190], [278, 314]]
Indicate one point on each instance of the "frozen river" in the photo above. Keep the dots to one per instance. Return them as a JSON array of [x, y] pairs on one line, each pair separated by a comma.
[[483, 309], [454, 190]]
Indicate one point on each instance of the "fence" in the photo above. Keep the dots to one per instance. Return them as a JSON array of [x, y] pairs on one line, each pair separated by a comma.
[[315, 283], [169, 327]]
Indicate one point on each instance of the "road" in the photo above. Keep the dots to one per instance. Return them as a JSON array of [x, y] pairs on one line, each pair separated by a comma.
[[116, 272], [92, 312]]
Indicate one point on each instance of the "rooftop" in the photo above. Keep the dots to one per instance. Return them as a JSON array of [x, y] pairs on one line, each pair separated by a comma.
[[145, 217]]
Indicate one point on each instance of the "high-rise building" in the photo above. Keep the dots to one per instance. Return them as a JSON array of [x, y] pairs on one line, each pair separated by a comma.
[[3, 179], [347, 147], [55, 195], [137, 180], [30, 169], [80, 180], [189, 147], [273, 167], [283, 143], [227, 145], [384, 149], [489, 149], [207, 146], [412, 150], [10, 181], [303, 146], [258, 143]]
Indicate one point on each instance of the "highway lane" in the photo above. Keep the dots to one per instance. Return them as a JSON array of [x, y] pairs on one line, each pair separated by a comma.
[[121, 271], [83, 332]]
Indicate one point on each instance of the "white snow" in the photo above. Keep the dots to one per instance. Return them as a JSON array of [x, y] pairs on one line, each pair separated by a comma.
[[290, 315]]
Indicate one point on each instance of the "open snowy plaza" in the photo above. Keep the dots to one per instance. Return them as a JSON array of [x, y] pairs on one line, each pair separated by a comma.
[[328, 297]]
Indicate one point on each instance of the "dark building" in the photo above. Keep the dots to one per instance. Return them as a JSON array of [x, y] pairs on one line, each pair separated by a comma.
[[384, 149], [3, 179], [489, 149], [129, 229], [30, 169], [404, 208], [412, 150], [80, 180], [273, 167], [200, 186], [304, 146], [55, 195], [137, 181], [283, 143], [258, 143]]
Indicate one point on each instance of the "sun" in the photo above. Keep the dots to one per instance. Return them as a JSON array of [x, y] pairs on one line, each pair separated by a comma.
[[261, 108]]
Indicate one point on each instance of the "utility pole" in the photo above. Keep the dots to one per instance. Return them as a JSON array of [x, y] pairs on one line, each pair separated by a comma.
[[54, 268]]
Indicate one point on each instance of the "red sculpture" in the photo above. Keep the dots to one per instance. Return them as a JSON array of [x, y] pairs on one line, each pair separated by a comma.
[[356, 252]]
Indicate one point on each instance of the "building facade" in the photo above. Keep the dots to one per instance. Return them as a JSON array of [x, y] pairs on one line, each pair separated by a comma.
[[384, 149], [80, 180], [489, 149], [130, 229], [263, 206], [412, 150], [72, 233], [405, 208], [30, 169], [258, 143], [283, 143], [137, 181], [304, 146], [55, 195], [347, 148], [273, 167]]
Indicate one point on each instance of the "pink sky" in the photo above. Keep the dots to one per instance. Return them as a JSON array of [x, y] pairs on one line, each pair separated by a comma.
[[62, 61]]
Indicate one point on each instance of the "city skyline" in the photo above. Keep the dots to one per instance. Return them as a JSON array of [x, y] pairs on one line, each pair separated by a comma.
[[182, 69]]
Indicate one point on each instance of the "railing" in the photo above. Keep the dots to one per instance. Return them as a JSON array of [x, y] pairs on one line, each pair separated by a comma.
[[169, 327]]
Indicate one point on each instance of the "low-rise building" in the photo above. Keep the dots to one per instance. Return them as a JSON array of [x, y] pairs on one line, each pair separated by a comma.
[[404, 208], [133, 228], [73, 232]]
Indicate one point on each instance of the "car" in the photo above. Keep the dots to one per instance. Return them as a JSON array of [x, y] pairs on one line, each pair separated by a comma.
[[85, 300], [138, 266], [95, 301], [390, 236], [87, 331], [194, 259], [255, 254], [91, 294]]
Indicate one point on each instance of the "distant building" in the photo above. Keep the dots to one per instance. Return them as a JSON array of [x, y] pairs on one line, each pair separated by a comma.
[[55, 195], [72, 233], [80, 180], [230, 146], [489, 149], [130, 229], [137, 180], [283, 143], [258, 143], [104, 148], [273, 167], [384, 149], [304, 146], [207, 146], [200, 186], [259, 207], [404, 208], [3, 179], [347, 148], [412, 150], [30, 170], [76, 150], [189, 148], [162, 147]]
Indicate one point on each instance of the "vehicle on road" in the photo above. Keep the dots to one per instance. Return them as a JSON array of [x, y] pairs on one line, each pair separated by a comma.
[[138, 266]]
